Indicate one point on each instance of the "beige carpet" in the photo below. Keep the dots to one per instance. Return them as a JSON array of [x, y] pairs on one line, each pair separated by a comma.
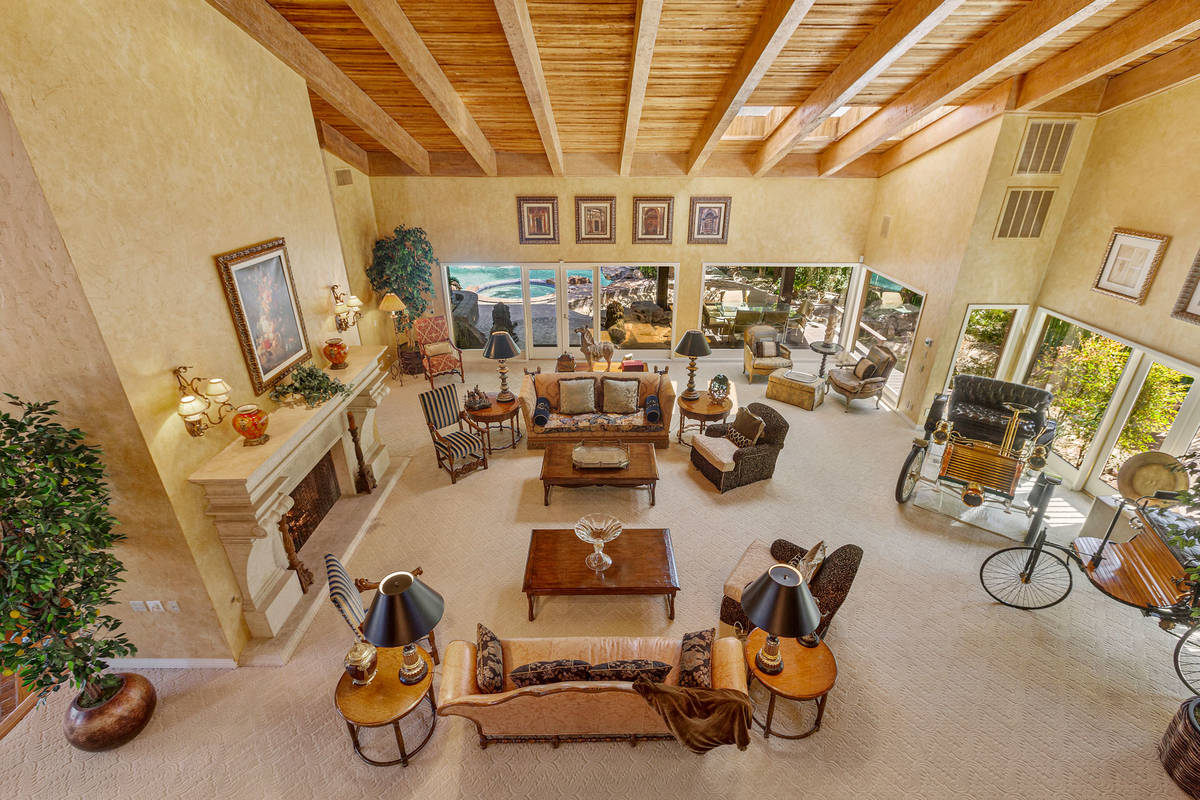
[[940, 693]]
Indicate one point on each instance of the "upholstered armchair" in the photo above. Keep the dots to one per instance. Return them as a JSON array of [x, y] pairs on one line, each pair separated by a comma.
[[346, 596], [729, 466], [866, 378], [458, 451], [754, 364], [439, 354]]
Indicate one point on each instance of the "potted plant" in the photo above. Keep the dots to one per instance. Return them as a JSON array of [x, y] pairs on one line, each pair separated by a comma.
[[312, 385], [57, 573], [403, 263]]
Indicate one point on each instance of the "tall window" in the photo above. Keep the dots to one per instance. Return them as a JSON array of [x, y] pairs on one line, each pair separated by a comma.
[[638, 306], [798, 301], [1151, 417], [890, 314], [983, 341]]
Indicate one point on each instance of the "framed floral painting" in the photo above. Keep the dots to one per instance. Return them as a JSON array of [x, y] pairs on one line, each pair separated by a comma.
[[652, 219], [537, 220]]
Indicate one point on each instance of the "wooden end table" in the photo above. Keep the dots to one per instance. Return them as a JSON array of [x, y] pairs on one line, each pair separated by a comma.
[[808, 674], [558, 469], [643, 563], [703, 409], [825, 349], [496, 415], [385, 701]]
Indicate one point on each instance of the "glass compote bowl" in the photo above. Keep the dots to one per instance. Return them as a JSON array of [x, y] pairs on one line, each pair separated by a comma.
[[596, 530]]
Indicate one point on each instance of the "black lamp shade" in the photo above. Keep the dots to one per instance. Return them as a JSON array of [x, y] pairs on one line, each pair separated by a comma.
[[500, 345], [403, 611], [781, 604], [693, 344]]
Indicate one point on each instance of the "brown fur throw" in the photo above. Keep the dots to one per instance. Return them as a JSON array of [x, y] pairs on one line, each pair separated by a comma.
[[700, 719]]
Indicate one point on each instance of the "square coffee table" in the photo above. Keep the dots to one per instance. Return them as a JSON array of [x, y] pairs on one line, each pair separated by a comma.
[[643, 563], [558, 469]]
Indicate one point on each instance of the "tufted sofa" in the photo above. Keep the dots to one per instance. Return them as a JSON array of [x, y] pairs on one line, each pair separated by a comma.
[[572, 710], [976, 407], [597, 427]]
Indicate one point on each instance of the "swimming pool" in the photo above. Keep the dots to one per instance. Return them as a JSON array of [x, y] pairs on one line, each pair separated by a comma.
[[511, 289], [504, 282]]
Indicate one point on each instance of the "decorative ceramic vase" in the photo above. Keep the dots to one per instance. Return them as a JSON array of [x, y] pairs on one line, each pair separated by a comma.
[[251, 422], [361, 662], [335, 350], [718, 388], [596, 530], [115, 721]]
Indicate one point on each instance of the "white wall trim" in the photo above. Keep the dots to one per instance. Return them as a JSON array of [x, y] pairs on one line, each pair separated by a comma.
[[171, 663]]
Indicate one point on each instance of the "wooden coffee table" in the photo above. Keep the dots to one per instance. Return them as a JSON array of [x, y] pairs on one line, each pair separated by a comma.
[[559, 470], [643, 563]]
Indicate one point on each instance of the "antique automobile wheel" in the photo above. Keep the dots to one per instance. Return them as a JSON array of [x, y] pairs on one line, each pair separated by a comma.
[[1187, 659], [1025, 577], [910, 474]]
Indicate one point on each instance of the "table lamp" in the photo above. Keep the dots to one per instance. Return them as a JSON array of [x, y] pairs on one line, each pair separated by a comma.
[[404, 611], [500, 346], [781, 604], [693, 345]]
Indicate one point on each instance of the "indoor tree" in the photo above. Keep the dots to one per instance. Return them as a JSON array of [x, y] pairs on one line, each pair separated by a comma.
[[403, 263]]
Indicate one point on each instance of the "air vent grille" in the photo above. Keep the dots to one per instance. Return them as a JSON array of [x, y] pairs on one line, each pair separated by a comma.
[[1024, 213], [1045, 149], [344, 177]]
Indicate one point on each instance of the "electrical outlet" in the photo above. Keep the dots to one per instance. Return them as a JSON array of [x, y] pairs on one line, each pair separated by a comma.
[[173, 606], [155, 605], [138, 605]]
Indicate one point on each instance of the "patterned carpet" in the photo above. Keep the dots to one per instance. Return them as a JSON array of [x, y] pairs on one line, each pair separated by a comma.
[[940, 693]]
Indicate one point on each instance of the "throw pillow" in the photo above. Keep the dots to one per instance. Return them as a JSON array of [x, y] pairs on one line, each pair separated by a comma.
[[539, 673], [746, 429], [653, 410], [810, 562], [541, 411], [865, 368], [489, 661], [620, 396], [577, 396], [695, 659], [765, 348], [629, 669], [437, 349]]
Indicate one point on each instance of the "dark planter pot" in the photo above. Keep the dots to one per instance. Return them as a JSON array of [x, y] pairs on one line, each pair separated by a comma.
[[1179, 750], [115, 721]]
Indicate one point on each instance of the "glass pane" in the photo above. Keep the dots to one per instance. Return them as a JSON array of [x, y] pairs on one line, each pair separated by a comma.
[[1151, 417], [638, 305], [983, 342], [1082, 369], [543, 305], [737, 297], [889, 318], [581, 302], [485, 299]]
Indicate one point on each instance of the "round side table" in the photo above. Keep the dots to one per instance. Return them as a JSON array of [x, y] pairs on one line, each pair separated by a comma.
[[826, 349], [496, 415], [703, 409], [385, 701], [808, 674]]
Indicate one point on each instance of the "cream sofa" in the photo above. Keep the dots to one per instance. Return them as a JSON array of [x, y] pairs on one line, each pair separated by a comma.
[[597, 427], [572, 710]]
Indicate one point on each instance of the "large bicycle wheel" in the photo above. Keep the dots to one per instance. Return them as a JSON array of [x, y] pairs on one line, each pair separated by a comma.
[[1187, 659], [1025, 577], [910, 474]]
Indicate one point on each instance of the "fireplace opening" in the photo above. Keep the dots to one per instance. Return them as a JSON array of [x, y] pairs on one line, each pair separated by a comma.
[[311, 500]]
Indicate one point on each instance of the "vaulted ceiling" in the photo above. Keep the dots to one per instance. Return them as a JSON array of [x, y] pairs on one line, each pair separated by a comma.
[[707, 87]]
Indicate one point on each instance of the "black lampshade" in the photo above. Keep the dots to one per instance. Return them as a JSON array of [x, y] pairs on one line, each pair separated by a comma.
[[780, 603], [500, 345], [693, 344], [403, 611]]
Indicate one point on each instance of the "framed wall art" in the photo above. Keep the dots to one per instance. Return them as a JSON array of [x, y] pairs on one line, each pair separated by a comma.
[[708, 220], [1187, 307], [537, 220], [652, 219], [594, 218], [1130, 263], [262, 299]]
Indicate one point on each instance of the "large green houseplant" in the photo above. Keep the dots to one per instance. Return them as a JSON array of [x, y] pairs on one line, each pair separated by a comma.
[[403, 263]]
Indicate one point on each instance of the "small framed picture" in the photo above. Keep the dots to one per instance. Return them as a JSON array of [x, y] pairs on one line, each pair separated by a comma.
[[594, 220], [708, 220], [537, 220], [652, 219], [1187, 307], [1130, 263]]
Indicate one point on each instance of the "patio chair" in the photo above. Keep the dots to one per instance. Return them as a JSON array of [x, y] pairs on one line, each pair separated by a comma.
[[439, 354], [742, 320], [346, 596]]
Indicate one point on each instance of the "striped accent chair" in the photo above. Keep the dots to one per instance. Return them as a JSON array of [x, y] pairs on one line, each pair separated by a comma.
[[346, 596], [439, 355], [459, 451]]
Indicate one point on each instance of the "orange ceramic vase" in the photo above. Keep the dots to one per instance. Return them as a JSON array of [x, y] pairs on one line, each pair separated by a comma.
[[335, 350], [251, 422]]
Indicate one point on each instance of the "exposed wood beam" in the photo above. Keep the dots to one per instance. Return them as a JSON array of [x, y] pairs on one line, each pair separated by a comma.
[[1083, 99], [645, 26], [514, 16], [268, 27], [987, 106], [778, 22], [388, 23], [333, 140], [906, 25], [1032, 26], [1156, 25], [1168, 70]]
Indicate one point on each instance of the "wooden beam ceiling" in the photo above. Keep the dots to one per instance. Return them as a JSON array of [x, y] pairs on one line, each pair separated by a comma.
[[514, 16], [272, 31], [1168, 70], [388, 23], [333, 140], [1026, 30], [778, 22], [649, 13]]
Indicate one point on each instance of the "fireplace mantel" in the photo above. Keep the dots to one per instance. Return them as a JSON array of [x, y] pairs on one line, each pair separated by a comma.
[[248, 488]]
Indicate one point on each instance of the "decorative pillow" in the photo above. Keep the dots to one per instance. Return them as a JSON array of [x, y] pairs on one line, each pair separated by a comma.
[[765, 348], [541, 411], [437, 349], [810, 562], [652, 410], [629, 669], [577, 396], [489, 661], [865, 368], [746, 429], [539, 673], [695, 659], [620, 396]]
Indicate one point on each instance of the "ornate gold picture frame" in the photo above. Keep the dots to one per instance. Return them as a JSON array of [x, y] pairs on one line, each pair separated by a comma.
[[1187, 307], [1130, 263]]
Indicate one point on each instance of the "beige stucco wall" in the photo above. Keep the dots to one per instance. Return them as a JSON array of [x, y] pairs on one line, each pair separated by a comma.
[[162, 135]]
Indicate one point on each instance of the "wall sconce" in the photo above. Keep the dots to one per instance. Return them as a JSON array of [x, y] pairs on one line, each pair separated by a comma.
[[345, 309], [197, 397]]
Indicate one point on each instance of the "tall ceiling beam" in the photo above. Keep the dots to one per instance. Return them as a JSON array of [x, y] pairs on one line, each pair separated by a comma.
[[1156, 25], [776, 25], [1162, 73], [1029, 28], [514, 16], [272, 31], [390, 26], [645, 25], [333, 140], [906, 25]]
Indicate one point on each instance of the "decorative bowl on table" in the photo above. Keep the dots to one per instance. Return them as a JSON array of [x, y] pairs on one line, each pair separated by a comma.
[[597, 530], [600, 456]]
